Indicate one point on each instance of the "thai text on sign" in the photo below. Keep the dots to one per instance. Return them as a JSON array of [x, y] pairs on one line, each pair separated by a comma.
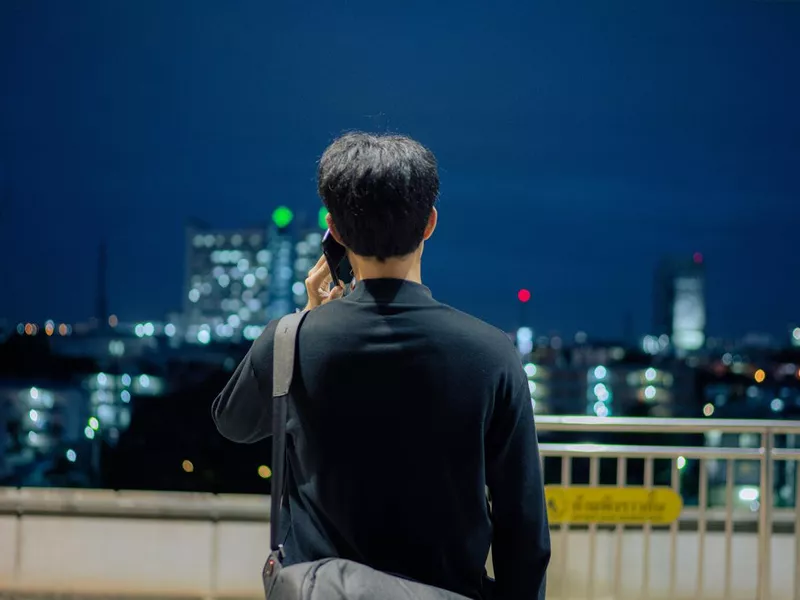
[[612, 505]]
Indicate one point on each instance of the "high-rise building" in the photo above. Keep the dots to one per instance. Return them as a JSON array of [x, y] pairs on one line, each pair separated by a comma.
[[679, 309], [281, 251], [307, 250], [239, 280], [228, 273], [41, 425]]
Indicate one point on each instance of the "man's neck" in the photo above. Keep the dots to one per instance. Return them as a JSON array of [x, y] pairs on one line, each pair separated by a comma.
[[407, 268]]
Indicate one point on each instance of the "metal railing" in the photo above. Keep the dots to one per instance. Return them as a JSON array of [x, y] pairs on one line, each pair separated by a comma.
[[715, 524], [764, 453]]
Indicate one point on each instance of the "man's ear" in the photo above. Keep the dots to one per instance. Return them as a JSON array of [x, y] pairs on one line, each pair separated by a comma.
[[433, 219], [332, 227]]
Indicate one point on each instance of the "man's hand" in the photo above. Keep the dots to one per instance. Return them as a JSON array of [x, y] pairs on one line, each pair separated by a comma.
[[318, 285]]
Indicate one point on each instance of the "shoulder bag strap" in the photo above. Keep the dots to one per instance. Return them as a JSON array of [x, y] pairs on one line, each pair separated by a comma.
[[282, 372]]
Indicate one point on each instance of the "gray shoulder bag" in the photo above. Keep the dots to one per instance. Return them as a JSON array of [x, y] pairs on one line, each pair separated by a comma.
[[329, 578]]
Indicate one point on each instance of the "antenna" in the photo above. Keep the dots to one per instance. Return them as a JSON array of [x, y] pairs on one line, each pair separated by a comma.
[[102, 292]]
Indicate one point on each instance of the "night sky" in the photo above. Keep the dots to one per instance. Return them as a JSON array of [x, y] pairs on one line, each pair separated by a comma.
[[578, 143]]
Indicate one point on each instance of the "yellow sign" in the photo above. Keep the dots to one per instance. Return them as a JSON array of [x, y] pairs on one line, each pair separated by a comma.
[[612, 505]]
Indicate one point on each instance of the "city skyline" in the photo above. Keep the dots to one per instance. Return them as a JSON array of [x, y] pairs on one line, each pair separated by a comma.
[[521, 307], [574, 152], [679, 296]]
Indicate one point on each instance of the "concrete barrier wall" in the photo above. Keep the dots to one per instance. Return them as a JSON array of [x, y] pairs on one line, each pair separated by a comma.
[[579, 577], [203, 557]]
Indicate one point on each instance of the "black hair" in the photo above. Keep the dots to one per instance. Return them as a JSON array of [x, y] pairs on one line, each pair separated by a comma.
[[380, 191]]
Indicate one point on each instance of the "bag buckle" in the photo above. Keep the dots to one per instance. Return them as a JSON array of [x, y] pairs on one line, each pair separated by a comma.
[[274, 560]]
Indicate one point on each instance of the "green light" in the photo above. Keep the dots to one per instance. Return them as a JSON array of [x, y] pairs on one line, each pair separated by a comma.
[[94, 423], [323, 221], [282, 217]]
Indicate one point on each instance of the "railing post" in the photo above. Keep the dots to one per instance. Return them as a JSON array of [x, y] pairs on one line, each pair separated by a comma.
[[765, 517], [213, 583], [566, 481], [17, 574], [18, 541], [796, 594]]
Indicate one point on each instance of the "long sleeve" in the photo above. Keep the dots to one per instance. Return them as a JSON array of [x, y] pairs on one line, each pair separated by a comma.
[[521, 541], [243, 409]]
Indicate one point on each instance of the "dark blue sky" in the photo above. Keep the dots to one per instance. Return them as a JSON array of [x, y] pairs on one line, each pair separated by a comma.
[[578, 143]]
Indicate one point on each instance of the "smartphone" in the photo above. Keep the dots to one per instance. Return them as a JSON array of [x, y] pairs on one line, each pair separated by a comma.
[[336, 257]]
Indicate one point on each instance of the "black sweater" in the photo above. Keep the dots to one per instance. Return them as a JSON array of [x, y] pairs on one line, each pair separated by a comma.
[[403, 411]]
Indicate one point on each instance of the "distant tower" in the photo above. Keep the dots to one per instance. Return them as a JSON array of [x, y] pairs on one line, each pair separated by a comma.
[[102, 291], [280, 299], [679, 309]]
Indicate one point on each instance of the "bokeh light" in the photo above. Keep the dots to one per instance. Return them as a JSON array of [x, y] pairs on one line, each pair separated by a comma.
[[282, 216]]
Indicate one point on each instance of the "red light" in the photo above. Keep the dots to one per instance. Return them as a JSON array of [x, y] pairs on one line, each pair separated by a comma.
[[523, 295], [698, 258]]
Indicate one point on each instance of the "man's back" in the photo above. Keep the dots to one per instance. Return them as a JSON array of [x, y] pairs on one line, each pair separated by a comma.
[[403, 411]]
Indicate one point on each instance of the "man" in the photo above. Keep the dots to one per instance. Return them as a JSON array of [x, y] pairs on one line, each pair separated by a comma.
[[404, 409]]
